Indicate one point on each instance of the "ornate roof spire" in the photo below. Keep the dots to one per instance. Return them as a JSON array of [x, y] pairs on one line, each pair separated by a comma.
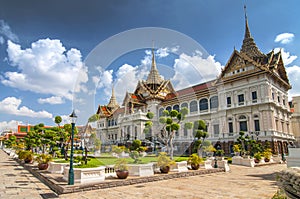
[[113, 100], [154, 76], [249, 47]]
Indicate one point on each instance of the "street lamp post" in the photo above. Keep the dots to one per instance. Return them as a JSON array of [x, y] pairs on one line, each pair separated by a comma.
[[73, 118]]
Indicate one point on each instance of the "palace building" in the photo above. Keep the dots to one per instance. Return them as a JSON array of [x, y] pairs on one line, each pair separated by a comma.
[[250, 95]]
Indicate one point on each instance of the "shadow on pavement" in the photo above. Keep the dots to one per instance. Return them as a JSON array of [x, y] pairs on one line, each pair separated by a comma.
[[49, 195]]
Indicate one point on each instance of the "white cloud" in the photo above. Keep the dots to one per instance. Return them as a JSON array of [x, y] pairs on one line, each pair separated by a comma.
[[47, 67], [174, 49], [287, 58], [190, 70], [11, 105], [127, 78], [293, 73], [162, 52], [9, 126], [5, 31], [51, 100], [284, 38]]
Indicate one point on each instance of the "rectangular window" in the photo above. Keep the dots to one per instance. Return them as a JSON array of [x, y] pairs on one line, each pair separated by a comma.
[[185, 132], [256, 125], [243, 126], [230, 127], [278, 99], [241, 99], [116, 136], [216, 130], [273, 96], [254, 96], [228, 101]]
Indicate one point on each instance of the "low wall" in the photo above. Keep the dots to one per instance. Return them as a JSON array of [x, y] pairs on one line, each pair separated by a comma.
[[238, 160], [57, 167], [289, 181], [179, 167], [293, 160], [86, 175], [140, 169]]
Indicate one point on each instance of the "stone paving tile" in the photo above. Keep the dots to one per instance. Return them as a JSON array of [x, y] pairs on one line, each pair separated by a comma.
[[240, 183], [17, 183]]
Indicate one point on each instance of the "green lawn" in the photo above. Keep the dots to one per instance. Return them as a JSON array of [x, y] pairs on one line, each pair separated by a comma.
[[109, 160]]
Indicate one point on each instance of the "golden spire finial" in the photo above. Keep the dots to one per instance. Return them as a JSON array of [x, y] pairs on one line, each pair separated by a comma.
[[245, 10]]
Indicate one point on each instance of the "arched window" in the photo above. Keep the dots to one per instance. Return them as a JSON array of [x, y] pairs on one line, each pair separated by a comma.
[[203, 104], [176, 107], [193, 106], [184, 105], [214, 102], [169, 108]]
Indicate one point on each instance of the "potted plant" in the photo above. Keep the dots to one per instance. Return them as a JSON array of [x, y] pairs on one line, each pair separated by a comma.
[[121, 168], [267, 154], [164, 162], [219, 154], [195, 161], [43, 161], [257, 157], [27, 156], [236, 149]]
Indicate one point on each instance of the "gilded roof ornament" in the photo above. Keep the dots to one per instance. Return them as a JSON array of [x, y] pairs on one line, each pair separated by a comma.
[[154, 77], [249, 47]]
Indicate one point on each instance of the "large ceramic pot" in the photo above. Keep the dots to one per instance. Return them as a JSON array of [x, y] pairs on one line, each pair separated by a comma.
[[43, 166], [256, 160], [28, 160], [267, 160], [165, 169], [122, 174], [195, 166]]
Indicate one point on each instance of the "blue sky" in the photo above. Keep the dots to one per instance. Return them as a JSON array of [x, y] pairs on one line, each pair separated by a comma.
[[59, 55]]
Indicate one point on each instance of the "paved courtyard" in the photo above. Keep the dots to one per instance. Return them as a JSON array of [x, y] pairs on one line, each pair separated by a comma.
[[240, 182]]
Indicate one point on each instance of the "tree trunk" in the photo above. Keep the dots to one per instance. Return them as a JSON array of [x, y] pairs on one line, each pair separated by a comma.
[[200, 151], [85, 155], [171, 148], [66, 152]]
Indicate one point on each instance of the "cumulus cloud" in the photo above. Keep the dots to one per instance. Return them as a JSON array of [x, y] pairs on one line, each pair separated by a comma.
[[162, 52], [6, 32], [293, 73], [190, 70], [11, 105], [51, 100], [127, 77], [9, 126], [46, 67], [287, 58], [284, 38]]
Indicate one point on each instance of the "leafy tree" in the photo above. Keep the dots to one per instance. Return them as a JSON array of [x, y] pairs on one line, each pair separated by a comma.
[[58, 120], [171, 123], [11, 141], [244, 142], [200, 135], [136, 150]]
